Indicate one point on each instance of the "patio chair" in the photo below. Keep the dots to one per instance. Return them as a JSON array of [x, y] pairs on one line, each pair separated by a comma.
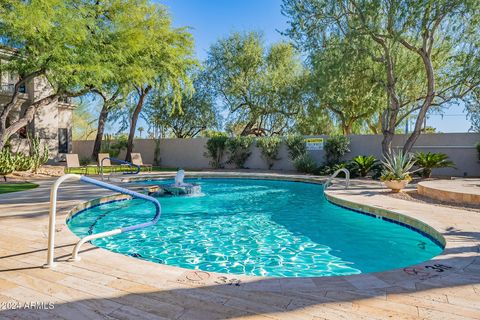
[[137, 160], [74, 163]]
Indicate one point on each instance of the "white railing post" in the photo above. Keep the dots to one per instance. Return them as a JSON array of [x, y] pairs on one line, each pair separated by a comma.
[[53, 213], [52, 218], [347, 178]]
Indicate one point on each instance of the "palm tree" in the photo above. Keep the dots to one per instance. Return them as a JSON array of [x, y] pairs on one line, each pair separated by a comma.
[[140, 130]]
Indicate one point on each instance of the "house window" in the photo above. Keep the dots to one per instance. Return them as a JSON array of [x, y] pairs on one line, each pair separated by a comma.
[[62, 140]]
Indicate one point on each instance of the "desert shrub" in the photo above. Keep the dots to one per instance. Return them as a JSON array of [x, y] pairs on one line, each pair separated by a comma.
[[305, 163], [269, 147], [364, 164], [215, 149], [85, 161], [7, 164], [22, 162], [38, 155], [377, 171], [428, 161], [114, 145], [335, 148], [296, 146], [327, 170], [239, 149]]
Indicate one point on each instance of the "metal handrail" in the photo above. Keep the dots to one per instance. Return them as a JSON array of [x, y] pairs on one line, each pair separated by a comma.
[[53, 212], [119, 161], [347, 178]]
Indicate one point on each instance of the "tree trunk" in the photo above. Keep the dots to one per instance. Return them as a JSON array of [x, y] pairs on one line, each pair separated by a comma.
[[102, 120], [142, 94], [407, 147], [387, 143], [389, 116], [26, 118]]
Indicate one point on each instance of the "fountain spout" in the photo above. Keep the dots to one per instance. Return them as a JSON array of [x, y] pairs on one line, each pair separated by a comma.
[[178, 187], [179, 177]]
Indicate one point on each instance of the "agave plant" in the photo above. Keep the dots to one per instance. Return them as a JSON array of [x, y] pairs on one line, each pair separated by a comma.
[[398, 167], [428, 161], [364, 164]]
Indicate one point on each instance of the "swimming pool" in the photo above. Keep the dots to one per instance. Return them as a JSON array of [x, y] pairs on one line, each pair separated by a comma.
[[257, 227]]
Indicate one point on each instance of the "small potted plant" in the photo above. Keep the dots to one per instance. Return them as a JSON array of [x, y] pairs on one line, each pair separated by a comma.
[[397, 171]]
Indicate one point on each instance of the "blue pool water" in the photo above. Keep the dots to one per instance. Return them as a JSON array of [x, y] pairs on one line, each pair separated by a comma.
[[257, 227]]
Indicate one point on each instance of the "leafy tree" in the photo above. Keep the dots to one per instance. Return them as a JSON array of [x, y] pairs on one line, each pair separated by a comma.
[[83, 126], [52, 40], [262, 88], [140, 131], [124, 34], [314, 120], [162, 62], [346, 86], [473, 110], [428, 49], [196, 113], [110, 100]]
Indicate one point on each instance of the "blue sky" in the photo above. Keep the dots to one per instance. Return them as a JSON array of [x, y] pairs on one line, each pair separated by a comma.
[[210, 20], [214, 19]]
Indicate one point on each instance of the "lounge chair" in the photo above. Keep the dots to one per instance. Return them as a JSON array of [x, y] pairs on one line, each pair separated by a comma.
[[74, 163], [107, 163], [137, 160]]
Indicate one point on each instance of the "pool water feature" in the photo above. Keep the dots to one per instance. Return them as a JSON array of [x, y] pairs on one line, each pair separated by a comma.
[[257, 227]]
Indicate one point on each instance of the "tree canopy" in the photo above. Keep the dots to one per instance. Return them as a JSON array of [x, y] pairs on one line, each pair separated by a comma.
[[53, 40], [262, 88], [348, 87], [427, 49], [195, 114]]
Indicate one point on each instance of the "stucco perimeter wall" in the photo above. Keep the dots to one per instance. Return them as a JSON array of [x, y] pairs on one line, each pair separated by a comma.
[[189, 153]]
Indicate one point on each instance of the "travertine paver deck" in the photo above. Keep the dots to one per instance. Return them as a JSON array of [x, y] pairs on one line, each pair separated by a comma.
[[109, 285], [457, 190]]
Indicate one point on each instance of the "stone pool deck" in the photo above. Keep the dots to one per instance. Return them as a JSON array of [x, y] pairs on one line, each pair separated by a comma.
[[108, 285], [461, 191]]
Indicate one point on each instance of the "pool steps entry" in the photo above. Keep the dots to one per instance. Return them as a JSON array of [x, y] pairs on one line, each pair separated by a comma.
[[53, 212], [137, 168], [347, 178]]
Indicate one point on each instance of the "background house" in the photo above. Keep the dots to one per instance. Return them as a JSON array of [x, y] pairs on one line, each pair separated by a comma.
[[51, 123]]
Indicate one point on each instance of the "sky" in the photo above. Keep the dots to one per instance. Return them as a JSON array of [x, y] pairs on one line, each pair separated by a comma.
[[211, 20]]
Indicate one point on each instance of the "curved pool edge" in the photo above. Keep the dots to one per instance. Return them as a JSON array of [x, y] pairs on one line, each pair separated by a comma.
[[395, 217]]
